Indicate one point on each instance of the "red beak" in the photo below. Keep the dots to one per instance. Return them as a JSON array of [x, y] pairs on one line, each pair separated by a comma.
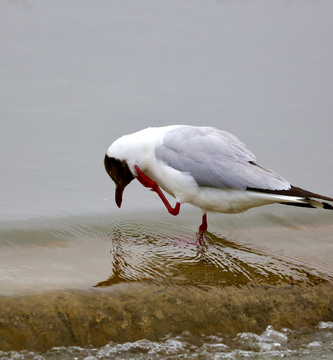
[[119, 195]]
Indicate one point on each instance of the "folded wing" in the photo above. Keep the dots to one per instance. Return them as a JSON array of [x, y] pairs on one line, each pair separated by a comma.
[[215, 158]]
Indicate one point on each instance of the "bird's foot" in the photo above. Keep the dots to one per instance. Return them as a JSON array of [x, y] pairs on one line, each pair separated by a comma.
[[201, 236]]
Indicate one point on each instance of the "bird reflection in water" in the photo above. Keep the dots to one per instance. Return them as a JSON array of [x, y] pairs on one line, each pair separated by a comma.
[[146, 257]]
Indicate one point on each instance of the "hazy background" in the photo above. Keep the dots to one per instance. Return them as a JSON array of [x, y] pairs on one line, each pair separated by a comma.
[[76, 75]]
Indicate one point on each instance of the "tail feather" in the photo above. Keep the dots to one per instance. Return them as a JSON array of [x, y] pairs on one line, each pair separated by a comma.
[[310, 203], [296, 191], [305, 198], [327, 206]]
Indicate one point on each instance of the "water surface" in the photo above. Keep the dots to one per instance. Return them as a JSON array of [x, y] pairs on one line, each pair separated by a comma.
[[76, 76]]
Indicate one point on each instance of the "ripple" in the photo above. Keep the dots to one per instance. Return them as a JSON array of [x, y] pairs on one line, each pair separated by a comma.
[[152, 252]]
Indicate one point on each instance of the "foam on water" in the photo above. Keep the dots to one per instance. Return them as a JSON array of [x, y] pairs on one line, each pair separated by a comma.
[[271, 344]]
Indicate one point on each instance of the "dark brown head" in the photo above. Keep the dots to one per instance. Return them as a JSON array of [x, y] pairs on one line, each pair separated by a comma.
[[120, 174]]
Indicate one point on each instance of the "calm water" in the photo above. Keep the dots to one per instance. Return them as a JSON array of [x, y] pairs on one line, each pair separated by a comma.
[[77, 75]]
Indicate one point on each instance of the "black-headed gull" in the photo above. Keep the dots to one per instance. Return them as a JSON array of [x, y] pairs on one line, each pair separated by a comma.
[[203, 166]]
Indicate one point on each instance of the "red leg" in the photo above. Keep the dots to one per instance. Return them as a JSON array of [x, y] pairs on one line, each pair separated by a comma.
[[203, 226], [202, 230], [149, 183]]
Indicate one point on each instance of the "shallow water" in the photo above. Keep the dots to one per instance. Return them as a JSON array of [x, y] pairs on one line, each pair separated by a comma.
[[80, 278], [49, 254], [70, 292]]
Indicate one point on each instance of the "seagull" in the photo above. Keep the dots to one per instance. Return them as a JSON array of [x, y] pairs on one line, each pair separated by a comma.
[[203, 166]]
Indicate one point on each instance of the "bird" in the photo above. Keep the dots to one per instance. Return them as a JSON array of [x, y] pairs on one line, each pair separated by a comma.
[[203, 166]]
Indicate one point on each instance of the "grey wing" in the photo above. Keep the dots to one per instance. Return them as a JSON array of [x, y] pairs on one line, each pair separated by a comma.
[[215, 158]]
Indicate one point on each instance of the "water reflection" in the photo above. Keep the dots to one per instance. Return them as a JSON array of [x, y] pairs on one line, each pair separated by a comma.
[[157, 255], [165, 285]]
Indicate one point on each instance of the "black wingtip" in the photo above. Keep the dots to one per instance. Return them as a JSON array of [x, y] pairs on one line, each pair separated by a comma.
[[295, 191], [327, 206], [298, 192]]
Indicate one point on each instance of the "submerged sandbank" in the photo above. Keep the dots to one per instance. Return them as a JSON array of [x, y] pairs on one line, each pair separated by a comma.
[[129, 313]]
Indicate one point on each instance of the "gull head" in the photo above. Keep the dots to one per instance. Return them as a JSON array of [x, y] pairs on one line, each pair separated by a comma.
[[120, 173]]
